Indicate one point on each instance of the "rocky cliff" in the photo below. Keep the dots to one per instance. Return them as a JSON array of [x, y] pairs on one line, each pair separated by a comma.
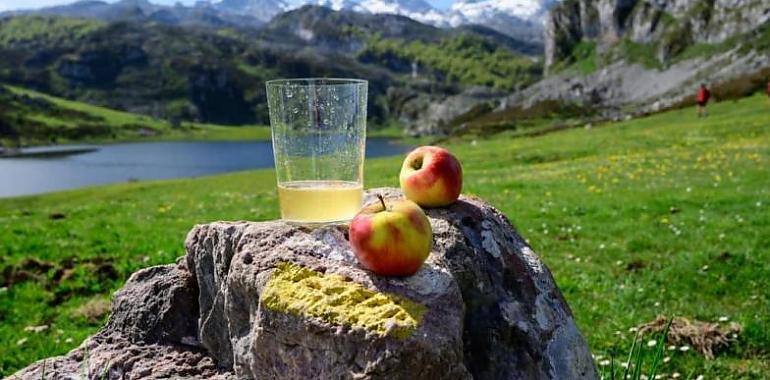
[[670, 25], [629, 57], [270, 300]]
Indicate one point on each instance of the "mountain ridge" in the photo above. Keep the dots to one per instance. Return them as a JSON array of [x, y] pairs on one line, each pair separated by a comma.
[[521, 19], [216, 75]]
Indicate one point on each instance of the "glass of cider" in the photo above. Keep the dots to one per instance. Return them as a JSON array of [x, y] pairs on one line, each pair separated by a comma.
[[319, 137]]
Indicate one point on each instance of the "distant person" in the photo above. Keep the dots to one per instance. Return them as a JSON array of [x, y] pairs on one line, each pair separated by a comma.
[[702, 99]]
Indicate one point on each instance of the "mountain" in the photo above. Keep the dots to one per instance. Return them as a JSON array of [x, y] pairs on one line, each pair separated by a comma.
[[261, 10], [664, 28], [203, 14], [520, 19], [217, 74], [624, 58], [346, 30]]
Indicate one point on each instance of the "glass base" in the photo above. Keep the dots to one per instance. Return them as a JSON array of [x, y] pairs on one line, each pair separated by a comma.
[[299, 223]]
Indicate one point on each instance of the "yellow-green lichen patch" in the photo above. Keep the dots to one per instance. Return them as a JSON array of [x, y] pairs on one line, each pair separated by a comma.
[[331, 298]]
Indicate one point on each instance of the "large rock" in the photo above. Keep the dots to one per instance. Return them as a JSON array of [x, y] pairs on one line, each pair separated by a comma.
[[270, 300]]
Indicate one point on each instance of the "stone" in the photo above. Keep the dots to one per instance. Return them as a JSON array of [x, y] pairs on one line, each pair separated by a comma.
[[264, 300], [151, 334]]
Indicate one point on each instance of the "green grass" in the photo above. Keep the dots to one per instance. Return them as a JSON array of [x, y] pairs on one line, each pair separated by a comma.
[[667, 214], [643, 53], [464, 59], [119, 126], [582, 60], [112, 125], [30, 29], [110, 118]]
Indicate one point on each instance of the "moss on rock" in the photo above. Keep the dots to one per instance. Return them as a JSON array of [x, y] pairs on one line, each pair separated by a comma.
[[332, 298]]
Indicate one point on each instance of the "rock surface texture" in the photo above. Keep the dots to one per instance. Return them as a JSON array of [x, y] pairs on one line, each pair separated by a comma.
[[269, 300], [671, 25]]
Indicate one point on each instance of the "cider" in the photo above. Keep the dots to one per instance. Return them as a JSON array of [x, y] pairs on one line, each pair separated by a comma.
[[319, 201]]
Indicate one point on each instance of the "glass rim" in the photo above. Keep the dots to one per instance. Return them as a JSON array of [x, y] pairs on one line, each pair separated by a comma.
[[316, 81]]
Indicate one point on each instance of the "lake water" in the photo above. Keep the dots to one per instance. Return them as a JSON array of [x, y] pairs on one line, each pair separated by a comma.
[[146, 160]]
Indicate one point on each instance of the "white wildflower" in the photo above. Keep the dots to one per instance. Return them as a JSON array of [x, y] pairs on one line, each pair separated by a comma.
[[36, 329]]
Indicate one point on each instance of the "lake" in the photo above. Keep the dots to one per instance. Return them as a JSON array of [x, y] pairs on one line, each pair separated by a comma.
[[146, 160]]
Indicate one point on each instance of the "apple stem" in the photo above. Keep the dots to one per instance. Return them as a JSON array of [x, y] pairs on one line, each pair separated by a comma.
[[382, 200]]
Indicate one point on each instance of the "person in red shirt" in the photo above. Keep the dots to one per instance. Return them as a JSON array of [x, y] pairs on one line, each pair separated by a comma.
[[702, 98]]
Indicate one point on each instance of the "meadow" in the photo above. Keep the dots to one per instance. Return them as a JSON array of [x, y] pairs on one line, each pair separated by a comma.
[[43, 119], [662, 215]]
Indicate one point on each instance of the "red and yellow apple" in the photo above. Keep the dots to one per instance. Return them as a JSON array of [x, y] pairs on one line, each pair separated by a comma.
[[391, 238], [431, 177]]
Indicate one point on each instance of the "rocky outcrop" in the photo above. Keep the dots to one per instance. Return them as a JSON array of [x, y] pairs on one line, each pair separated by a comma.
[[425, 112], [621, 89], [271, 300], [670, 25], [633, 60], [151, 334]]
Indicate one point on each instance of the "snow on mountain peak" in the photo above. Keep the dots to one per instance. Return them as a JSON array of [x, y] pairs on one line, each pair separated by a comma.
[[480, 9], [513, 17]]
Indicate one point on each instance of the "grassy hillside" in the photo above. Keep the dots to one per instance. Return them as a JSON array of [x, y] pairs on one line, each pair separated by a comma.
[[666, 215], [23, 30], [28, 117], [464, 58]]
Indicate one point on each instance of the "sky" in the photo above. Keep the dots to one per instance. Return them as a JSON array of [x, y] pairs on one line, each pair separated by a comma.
[[6, 5]]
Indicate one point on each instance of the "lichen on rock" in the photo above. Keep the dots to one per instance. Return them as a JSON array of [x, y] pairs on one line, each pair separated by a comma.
[[333, 299]]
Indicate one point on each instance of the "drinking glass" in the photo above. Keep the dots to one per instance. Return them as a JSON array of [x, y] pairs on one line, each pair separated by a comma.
[[319, 136]]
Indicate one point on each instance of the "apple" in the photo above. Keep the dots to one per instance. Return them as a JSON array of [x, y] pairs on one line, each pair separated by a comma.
[[431, 177], [391, 238]]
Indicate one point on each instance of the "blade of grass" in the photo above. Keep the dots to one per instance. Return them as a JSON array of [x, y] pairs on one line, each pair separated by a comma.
[[638, 363], [630, 355], [612, 367], [661, 347]]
